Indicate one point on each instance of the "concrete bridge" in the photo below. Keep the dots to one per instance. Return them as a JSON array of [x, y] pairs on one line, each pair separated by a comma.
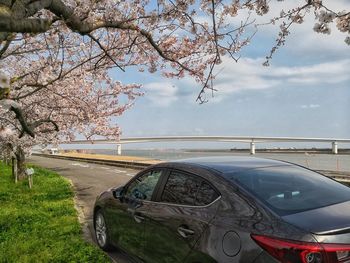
[[245, 139]]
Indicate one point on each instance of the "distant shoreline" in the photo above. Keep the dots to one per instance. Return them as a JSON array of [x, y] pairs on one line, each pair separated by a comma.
[[271, 150]]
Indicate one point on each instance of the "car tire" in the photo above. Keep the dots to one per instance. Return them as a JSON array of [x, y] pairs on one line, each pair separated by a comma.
[[101, 232]]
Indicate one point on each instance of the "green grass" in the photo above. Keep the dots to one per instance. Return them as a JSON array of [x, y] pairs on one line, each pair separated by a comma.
[[40, 224]]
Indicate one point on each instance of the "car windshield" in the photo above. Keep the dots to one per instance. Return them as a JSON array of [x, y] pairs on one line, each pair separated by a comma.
[[291, 189]]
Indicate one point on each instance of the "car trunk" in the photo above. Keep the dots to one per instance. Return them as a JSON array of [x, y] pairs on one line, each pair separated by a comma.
[[324, 221]]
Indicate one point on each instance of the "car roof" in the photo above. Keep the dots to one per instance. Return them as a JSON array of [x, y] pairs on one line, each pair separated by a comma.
[[228, 164]]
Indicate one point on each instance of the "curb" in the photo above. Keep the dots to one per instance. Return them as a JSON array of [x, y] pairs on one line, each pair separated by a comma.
[[86, 232], [123, 164]]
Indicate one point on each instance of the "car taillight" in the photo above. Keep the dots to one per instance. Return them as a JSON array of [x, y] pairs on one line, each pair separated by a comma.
[[290, 251]]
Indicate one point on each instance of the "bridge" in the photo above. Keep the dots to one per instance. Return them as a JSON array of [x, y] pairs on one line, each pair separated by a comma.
[[252, 141]]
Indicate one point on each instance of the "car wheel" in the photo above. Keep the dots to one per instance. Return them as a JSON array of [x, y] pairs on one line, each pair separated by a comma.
[[101, 232]]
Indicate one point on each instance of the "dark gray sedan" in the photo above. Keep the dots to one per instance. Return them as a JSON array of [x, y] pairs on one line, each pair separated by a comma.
[[227, 209]]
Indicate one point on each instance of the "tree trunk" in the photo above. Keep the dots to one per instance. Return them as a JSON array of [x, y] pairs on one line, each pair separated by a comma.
[[7, 156], [21, 166], [14, 169], [30, 181]]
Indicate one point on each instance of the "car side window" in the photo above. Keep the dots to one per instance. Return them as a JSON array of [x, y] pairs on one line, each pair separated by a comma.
[[185, 189], [143, 186], [206, 194]]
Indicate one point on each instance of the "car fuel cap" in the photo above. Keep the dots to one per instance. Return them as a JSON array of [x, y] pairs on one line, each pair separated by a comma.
[[231, 244]]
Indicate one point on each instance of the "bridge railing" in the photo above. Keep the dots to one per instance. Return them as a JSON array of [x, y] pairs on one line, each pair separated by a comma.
[[244, 139]]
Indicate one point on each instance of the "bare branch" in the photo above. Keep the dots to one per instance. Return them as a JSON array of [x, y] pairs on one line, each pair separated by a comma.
[[106, 52]]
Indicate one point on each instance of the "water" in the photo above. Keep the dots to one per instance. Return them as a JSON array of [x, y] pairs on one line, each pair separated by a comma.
[[330, 162]]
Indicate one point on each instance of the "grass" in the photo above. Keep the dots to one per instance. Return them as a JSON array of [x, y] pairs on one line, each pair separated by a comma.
[[41, 225]]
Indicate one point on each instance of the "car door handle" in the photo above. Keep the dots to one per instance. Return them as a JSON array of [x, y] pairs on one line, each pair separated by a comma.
[[138, 218], [184, 231]]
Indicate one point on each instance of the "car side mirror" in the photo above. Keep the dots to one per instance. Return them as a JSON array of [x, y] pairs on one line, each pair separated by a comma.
[[138, 194], [118, 193]]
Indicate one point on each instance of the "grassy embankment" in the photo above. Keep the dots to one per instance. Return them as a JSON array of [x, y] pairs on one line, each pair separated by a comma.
[[41, 225]]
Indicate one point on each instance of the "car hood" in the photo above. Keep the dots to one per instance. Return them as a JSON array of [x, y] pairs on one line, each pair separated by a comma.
[[333, 219]]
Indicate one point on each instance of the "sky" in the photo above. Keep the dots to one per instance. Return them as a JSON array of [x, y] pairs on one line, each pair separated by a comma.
[[304, 93]]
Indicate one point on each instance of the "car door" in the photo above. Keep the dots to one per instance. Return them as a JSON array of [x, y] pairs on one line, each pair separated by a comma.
[[177, 218], [127, 215]]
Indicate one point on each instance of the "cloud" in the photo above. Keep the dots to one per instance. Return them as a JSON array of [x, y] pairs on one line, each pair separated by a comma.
[[161, 94], [249, 74], [331, 72], [310, 106]]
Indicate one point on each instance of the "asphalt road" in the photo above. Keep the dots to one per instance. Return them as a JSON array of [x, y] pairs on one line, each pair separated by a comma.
[[88, 180]]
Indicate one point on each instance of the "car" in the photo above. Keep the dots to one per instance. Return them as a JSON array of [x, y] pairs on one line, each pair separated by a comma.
[[226, 209]]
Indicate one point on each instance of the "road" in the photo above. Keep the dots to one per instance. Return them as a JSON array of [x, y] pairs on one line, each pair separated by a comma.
[[88, 180]]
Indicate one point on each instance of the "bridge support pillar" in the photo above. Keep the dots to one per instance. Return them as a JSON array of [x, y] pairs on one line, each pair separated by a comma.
[[252, 147], [334, 147], [119, 149]]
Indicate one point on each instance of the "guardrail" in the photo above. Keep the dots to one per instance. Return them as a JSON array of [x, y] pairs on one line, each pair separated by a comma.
[[245, 139], [123, 164]]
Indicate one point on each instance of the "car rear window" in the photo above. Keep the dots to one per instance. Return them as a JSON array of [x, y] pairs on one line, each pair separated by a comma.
[[291, 189]]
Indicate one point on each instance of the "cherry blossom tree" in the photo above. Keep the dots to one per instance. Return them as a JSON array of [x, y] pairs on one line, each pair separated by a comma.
[[55, 105], [58, 93]]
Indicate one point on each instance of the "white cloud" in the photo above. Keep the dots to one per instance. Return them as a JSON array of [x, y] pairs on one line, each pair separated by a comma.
[[161, 94], [322, 73], [310, 106], [249, 74]]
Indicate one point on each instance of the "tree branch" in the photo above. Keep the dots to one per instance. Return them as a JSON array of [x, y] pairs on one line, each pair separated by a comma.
[[40, 122], [26, 128], [7, 44], [106, 52], [24, 25]]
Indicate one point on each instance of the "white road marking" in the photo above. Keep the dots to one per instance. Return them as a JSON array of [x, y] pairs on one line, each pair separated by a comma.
[[119, 171], [80, 164]]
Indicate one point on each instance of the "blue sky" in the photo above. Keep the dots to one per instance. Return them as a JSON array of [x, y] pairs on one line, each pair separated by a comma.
[[304, 93]]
